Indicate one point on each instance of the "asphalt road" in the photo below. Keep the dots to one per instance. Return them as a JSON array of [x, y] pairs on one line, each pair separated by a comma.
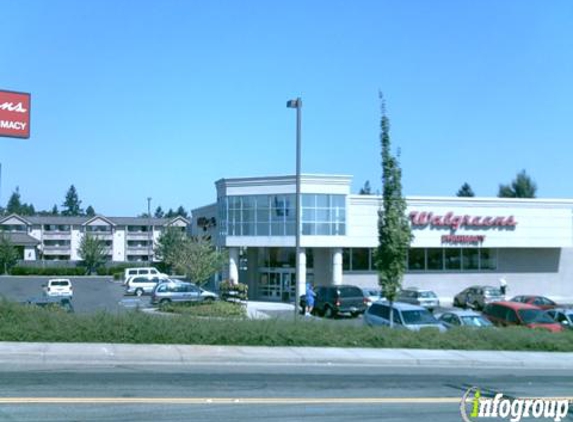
[[260, 392], [91, 294]]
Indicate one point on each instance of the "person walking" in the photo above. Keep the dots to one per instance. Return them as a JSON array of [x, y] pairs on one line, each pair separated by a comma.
[[310, 295], [503, 286]]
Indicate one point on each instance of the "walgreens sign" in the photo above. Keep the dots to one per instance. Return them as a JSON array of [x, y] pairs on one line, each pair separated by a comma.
[[15, 114], [453, 222]]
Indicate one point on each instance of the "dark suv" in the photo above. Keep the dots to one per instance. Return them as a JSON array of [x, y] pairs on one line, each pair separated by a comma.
[[333, 300]]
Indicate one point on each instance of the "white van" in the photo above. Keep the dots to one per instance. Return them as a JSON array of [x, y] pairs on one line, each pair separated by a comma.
[[143, 284], [130, 272]]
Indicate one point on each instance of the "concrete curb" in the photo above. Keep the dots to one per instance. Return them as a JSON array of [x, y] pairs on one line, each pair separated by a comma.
[[38, 355]]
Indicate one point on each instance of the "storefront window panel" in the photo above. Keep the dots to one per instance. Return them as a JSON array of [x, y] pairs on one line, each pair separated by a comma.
[[338, 229], [323, 229], [435, 259], [263, 229], [346, 259], [470, 259], [488, 259], [360, 259], [277, 229], [308, 229], [453, 259], [417, 259], [290, 228]]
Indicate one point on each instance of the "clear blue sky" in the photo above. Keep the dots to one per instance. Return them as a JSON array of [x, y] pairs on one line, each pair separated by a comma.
[[132, 99]]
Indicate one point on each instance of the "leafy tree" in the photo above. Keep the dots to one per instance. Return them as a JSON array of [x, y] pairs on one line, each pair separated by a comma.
[[366, 190], [14, 205], [168, 245], [92, 251], [159, 212], [90, 212], [521, 187], [394, 231], [465, 191], [72, 203], [8, 254], [198, 259]]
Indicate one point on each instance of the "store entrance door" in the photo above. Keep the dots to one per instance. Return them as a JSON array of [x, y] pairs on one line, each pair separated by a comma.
[[277, 284]]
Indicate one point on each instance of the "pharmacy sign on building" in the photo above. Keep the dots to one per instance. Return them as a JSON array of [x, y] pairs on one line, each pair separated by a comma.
[[15, 114]]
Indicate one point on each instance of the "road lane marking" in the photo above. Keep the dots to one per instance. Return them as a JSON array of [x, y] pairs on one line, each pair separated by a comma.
[[235, 400]]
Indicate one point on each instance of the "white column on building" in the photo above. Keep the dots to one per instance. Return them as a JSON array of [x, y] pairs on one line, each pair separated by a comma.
[[234, 265], [301, 276], [337, 266]]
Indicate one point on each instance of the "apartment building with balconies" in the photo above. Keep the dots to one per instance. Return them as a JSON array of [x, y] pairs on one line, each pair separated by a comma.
[[126, 239]]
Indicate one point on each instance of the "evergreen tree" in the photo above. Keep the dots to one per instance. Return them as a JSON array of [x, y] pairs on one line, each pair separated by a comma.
[[159, 212], [181, 212], [72, 203], [465, 191], [170, 214], [14, 205], [54, 210], [521, 187], [90, 212], [394, 231], [366, 190]]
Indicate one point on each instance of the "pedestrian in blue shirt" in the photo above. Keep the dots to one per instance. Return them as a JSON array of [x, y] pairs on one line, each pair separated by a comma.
[[310, 295]]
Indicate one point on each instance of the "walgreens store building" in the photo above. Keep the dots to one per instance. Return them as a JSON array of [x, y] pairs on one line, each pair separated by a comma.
[[458, 242]]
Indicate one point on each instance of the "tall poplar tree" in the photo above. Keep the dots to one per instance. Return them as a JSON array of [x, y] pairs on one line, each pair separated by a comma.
[[394, 232]]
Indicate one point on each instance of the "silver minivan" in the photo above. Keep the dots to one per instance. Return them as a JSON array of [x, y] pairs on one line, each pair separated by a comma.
[[180, 291], [405, 315]]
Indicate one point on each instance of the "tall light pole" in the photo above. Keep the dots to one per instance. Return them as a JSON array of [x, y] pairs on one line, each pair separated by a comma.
[[149, 228], [298, 105]]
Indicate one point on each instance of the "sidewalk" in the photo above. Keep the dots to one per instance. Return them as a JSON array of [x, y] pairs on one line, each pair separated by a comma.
[[42, 355]]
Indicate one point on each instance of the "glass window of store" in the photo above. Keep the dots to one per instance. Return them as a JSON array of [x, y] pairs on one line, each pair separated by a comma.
[[452, 259], [275, 215]]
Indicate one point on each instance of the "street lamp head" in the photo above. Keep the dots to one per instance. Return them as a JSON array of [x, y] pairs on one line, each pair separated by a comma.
[[294, 103]]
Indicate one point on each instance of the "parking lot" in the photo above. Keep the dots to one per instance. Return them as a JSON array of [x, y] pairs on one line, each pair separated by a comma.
[[91, 294]]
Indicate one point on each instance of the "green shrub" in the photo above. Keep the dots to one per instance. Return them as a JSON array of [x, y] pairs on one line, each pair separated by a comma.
[[229, 290], [206, 309], [35, 324]]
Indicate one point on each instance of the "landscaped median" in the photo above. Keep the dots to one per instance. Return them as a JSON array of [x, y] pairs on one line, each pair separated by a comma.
[[32, 324]]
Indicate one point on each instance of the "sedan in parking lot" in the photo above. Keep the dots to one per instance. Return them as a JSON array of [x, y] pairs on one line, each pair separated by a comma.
[[178, 291], [477, 297], [563, 316], [507, 314], [464, 318], [539, 301], [425, 298]]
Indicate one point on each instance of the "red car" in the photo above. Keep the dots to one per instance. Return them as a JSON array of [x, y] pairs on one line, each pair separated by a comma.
[[507, 314], [539, 301]]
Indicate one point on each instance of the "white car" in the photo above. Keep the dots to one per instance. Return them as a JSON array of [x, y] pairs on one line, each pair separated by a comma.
[[143, 284], [59, 287]]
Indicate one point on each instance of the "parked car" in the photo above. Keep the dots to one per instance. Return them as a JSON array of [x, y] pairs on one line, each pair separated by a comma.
[[331, 301], [562, 316], [59, 287], [371, 295], [143, 284], [507, 314], [179, 291], [477, 297], [63, 303], [539, 301], [464, 318], [424, 298], [147, 271], [405, 315]]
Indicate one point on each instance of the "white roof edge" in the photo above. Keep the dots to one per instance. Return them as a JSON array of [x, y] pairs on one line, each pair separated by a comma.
[[472, 199]]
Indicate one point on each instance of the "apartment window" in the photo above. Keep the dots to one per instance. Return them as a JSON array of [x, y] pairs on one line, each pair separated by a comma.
[[13, 228]]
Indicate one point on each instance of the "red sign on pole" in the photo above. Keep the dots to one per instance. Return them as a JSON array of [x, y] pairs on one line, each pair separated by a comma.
[[15, 114]]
